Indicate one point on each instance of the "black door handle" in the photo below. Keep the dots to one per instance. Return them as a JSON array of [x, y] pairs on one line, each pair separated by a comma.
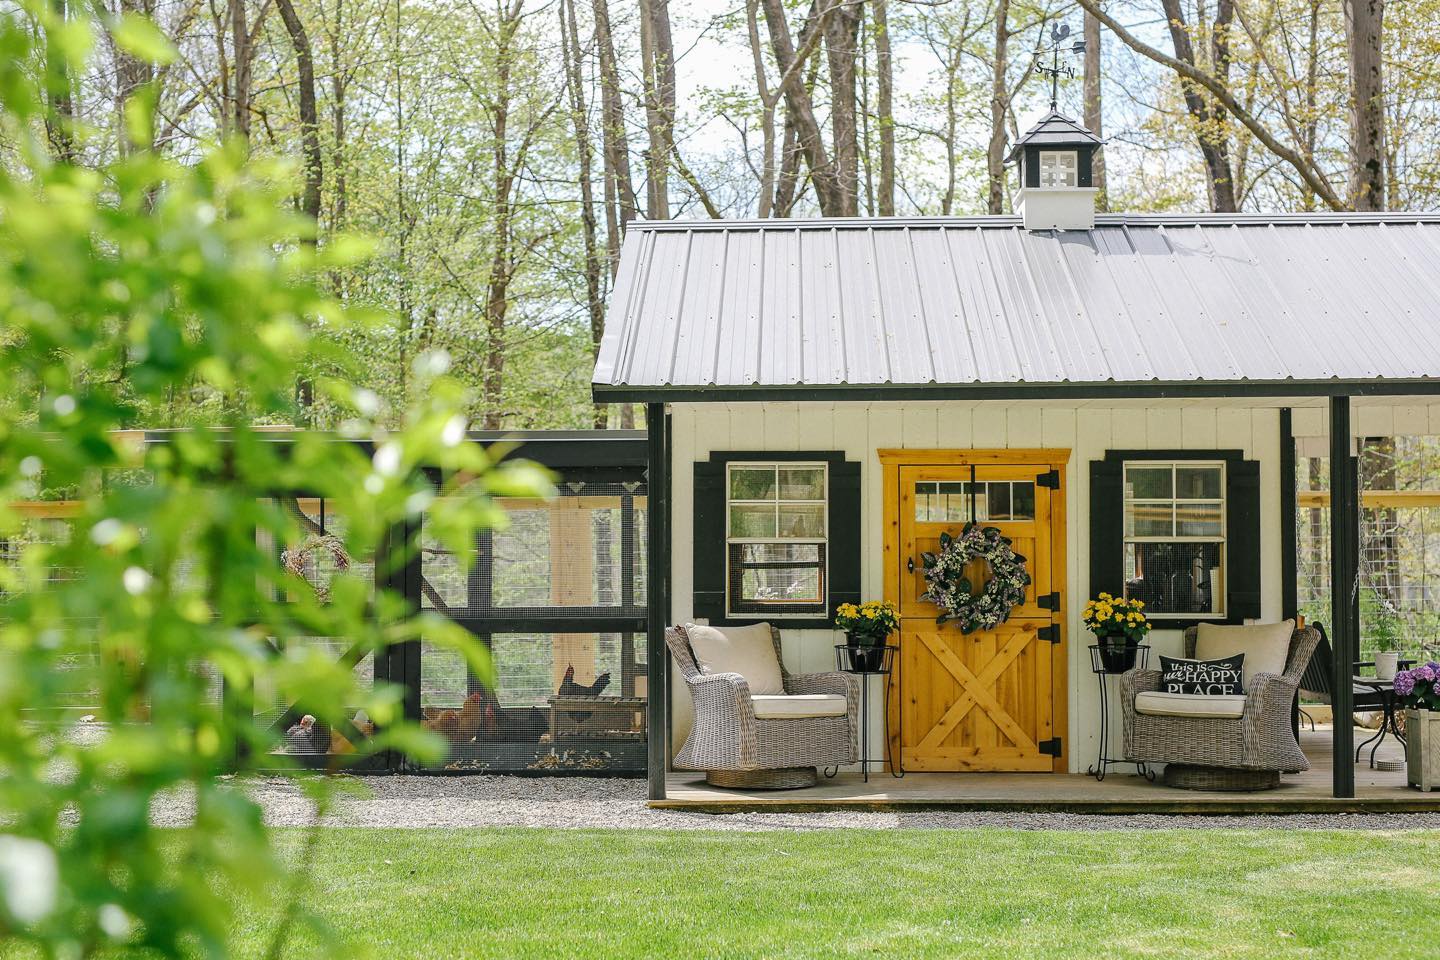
[[910, 565]]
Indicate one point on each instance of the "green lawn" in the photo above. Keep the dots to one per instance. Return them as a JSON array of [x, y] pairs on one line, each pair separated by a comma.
[[433, 894]]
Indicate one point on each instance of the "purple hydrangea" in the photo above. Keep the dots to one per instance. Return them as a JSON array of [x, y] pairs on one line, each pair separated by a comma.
[[1405, 683], [1425, 673]]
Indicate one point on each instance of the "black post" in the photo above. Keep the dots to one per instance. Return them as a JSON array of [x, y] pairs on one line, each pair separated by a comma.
[[1289, 589], [657, 664], [1289, 549], [1344, 569]]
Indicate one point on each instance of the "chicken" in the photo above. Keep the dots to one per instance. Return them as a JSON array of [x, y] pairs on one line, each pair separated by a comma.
[[461, 726], [569, 688], [474, 712]]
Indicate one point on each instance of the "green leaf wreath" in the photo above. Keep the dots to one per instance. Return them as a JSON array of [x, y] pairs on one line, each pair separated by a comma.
[[951, 590]]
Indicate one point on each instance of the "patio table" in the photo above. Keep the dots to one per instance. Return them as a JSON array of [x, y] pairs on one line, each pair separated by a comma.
[[1388, 723]]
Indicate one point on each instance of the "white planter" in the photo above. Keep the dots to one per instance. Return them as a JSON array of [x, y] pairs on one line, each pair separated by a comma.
[[1422, 748], [1386, 663]]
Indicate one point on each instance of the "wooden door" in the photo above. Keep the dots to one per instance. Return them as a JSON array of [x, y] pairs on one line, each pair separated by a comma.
[[987, 700]]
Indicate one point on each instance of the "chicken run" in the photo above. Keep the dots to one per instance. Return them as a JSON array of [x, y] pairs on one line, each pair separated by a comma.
[[558, 596]]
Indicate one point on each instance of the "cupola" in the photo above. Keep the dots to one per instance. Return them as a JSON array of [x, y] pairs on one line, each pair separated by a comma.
[[1055, 159]]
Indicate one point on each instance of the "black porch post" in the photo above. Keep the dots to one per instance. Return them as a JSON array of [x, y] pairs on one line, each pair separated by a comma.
[[657, 591], [1344, 569], [1289, 548]]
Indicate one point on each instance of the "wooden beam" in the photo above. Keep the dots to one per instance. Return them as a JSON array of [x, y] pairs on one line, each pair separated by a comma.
[[1374, 499], [1344, 568]]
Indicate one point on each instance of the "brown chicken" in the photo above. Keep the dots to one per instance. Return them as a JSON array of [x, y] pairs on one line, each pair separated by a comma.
[[460, 726]]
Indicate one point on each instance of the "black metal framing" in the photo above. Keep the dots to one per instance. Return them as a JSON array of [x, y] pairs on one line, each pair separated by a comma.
[[1289, 547], [1344, 568], [602, 456], [657, 568]]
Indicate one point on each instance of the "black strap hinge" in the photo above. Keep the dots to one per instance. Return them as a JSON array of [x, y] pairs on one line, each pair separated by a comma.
[[1050, 601], [1050, 481], [1050, 633], [1051, 747]]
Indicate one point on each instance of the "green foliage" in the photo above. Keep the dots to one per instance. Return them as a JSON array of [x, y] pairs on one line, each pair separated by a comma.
[[118, 287]]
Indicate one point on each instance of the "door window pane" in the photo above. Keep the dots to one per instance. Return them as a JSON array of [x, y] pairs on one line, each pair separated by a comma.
[[1022, 500]]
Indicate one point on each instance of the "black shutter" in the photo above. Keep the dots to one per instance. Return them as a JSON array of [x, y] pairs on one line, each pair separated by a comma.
[[1242, 535], [709, 562], [1107, 527], [844, 533]]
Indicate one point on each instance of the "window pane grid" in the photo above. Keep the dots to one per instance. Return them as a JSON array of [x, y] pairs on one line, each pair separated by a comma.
[[1174, 535], [776, 532]]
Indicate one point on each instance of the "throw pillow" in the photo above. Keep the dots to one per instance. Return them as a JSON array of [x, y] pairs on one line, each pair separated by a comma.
[[1216, 678], [1266, 645], [748, 651]]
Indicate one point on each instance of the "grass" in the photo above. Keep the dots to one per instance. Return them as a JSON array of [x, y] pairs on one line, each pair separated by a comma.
[[430, 894]]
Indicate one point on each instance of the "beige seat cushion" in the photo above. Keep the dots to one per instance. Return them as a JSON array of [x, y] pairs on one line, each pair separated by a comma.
[[1157, 704], [1266, 646], [800, 705], [747, 650]]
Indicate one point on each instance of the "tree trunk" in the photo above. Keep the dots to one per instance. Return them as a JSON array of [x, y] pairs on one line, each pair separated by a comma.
[[885, 82], [658, 53], [799, 109], [999, 106], [309, 115], [766, 193], [842, 30], [339, 88], [242, 61], [594, 296], [620, 203], [1093, 117], [132, 73], [1210, 124], [1364, 21], [60, 117], [502, 261]]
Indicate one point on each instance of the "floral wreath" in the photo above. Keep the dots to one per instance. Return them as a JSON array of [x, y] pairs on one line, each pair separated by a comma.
[[951, 591]]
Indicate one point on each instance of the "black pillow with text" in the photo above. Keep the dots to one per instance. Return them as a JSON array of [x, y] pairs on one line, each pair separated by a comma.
[[1219, 678]]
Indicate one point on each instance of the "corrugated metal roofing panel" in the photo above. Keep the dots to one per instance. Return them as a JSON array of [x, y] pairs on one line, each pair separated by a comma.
[[973, 301]]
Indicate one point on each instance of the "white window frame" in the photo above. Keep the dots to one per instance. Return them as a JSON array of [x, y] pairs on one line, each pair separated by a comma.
[[818, 607], [1219, 604], [1062, 169]]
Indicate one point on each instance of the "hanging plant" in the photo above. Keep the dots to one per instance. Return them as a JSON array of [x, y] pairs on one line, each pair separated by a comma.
[[950, 589]]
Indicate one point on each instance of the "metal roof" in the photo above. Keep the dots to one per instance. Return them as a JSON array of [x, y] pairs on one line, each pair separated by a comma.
[[1138, 305]]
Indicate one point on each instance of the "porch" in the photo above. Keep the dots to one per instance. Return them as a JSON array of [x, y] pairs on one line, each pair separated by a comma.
[[1376, 791]]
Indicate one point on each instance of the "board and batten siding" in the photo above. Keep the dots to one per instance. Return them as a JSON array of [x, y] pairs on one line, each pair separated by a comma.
[[860, 429]]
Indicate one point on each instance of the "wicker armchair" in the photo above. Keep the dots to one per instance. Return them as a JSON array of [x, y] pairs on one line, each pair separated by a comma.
[[737, 749], [1248, 752]]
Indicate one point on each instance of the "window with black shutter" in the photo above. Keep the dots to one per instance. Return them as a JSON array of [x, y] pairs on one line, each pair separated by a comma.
[[777, 536], [1180, 530]]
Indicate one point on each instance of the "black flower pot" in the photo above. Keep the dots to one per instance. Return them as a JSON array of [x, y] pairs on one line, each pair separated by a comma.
[[863, 657], [1117, 654]]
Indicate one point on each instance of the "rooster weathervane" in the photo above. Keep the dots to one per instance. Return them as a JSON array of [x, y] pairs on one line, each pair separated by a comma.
[[1059, 32]]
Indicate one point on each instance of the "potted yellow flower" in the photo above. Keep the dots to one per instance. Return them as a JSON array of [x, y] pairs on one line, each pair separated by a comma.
[[867, 626], [1119, 624]]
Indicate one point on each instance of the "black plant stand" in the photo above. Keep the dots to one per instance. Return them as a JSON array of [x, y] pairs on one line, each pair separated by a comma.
[[1104, 761], [844, 662]]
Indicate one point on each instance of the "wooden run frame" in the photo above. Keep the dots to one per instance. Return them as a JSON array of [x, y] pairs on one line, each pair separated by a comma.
[[891, 460]]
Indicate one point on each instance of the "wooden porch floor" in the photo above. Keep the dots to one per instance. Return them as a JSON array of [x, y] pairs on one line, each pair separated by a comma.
[[1119, 793]]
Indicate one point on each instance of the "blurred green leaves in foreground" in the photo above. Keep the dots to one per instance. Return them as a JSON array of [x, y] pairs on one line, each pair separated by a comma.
[[121, 286]]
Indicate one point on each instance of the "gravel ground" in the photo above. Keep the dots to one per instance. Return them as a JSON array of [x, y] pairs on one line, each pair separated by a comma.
[[577, 802]]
